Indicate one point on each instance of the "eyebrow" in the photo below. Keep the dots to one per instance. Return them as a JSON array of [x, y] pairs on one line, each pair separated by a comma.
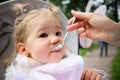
[[41, 29]]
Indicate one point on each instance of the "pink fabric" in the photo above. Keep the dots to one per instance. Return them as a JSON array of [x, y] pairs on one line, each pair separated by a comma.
[[69, 68]]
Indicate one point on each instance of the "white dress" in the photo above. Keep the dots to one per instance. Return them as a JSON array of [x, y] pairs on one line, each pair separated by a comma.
[[23, 68]]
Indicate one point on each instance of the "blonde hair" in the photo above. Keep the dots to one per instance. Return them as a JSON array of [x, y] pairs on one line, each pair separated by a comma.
[[23, 15]]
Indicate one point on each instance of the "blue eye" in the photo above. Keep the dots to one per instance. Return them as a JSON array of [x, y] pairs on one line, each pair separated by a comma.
[[44, 35], [58, 34]]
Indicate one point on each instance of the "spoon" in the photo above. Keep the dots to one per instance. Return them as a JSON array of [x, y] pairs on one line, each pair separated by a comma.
[[59, 45]]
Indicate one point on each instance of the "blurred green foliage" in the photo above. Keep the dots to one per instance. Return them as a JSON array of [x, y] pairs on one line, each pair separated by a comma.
[[115, 72], [67, 5]]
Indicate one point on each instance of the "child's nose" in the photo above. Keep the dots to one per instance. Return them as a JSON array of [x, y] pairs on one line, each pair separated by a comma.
[[55, 40]]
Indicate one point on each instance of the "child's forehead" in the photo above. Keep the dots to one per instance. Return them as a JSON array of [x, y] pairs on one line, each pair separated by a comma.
[[46, 26], [44, 23]]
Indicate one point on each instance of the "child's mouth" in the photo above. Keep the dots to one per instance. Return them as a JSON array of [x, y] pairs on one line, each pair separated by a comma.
[[54, 51]]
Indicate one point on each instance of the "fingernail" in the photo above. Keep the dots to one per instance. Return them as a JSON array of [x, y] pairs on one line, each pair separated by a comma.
[[73, 11]]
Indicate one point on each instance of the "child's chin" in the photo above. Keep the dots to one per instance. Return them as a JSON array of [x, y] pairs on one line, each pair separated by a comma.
[[56, 61]]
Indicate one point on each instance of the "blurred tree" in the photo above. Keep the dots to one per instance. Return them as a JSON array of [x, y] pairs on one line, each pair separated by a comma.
[[67, 5], [112, 9]]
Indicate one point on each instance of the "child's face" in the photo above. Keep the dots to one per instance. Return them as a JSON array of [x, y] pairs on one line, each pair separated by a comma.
[[44, 33]]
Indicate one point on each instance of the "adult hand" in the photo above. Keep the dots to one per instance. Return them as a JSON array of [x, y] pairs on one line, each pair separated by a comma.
[[95, 26]]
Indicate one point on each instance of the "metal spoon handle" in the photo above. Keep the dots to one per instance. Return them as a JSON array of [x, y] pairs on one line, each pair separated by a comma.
[[65, 37], [67, 32]]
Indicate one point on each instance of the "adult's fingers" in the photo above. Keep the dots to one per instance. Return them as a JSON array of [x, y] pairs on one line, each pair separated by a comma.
[[71, 21], [81, 30], [81, 15], [75, 26]]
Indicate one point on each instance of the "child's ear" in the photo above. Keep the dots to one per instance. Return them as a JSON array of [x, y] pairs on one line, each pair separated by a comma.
[[22, 49]]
